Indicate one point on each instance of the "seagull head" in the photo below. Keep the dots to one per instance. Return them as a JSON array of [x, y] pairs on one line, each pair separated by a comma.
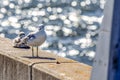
[[21, 34], [41, 27]]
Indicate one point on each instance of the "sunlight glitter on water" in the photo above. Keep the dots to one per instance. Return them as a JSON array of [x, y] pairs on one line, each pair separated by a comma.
[[71, 26]]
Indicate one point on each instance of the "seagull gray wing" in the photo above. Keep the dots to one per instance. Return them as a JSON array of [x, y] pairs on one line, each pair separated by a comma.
[[31, 36], [28, 38]]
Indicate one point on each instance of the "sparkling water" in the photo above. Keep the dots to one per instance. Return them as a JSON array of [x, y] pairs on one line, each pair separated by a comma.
[[72, 26]]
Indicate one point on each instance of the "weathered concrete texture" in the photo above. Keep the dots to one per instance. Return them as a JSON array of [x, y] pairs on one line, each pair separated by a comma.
[[43, 75], [65, 71], [11, 69], [17, 64]]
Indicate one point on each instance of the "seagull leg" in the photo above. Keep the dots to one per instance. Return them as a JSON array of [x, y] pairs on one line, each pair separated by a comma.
[[37, 51], [32, 52]]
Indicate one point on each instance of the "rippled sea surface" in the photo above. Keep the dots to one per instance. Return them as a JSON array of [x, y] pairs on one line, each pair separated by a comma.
[[72, 26]]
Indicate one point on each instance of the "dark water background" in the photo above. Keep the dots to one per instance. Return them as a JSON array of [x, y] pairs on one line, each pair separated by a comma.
[[73, 24]]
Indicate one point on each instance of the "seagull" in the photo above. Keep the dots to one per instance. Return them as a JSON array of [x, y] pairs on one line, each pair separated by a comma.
[[35, 39], [17, 40]]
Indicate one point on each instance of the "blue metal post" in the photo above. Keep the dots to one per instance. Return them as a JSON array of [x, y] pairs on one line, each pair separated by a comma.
[[107, 60], [114, 57]]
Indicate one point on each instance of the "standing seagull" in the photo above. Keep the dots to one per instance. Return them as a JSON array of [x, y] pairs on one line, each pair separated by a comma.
[[35, 39]]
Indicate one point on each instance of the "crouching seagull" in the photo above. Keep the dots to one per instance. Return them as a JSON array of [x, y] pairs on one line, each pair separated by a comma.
[[35, 39], [17, 41]]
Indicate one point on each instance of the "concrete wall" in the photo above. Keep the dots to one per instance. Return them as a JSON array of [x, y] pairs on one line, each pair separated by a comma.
[[17, 64]]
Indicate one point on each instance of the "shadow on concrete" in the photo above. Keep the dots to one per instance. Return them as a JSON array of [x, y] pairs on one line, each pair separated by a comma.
[[56, 62], [26, 47], [47, 58]]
